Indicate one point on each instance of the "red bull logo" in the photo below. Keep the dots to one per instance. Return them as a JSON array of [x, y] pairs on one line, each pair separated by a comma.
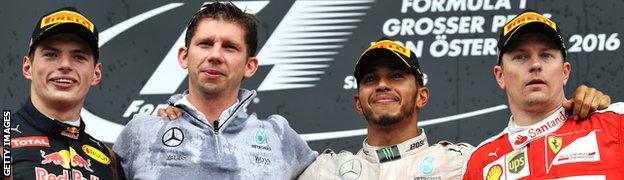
[[57, 158], [43, 174], [77, 160], [71, 132], [66, 159]]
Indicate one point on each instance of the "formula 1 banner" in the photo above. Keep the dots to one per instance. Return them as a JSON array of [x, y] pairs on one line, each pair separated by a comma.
[[307, 53]]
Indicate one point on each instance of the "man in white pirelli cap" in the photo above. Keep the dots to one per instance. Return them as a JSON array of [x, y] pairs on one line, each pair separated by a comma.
[[542, 140]]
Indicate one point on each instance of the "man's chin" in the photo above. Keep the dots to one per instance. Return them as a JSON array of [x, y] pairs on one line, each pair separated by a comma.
[[210, 88], [64, 98], [387, 120]]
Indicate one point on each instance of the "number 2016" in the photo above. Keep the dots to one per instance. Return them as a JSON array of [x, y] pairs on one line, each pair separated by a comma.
[[592, 42]]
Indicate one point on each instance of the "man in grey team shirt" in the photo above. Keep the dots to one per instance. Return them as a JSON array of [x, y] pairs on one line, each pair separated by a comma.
[[214, 138]]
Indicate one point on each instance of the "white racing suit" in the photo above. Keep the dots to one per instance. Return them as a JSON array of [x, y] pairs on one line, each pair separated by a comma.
[[411, 159]]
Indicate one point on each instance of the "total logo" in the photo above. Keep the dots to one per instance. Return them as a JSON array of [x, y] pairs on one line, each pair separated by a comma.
[[292, 56]]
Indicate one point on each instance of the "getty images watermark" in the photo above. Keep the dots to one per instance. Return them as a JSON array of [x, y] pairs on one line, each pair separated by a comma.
[[6, 143]]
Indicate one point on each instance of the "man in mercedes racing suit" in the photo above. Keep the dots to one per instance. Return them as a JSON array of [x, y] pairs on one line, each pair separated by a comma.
[[542, 141], [215, 138], [390, 95], [48, 138]]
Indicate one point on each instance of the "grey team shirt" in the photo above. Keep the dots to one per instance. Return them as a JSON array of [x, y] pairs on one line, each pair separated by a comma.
[[244, 147]]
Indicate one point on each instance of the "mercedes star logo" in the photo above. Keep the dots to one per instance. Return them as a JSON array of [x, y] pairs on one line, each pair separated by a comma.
[[351, 169], [173, 137]]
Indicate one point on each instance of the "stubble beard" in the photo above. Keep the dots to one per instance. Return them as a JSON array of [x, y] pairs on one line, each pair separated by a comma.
[[388, 120]]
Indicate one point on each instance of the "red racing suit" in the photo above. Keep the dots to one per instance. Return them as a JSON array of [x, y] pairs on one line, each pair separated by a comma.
[[556, 147]]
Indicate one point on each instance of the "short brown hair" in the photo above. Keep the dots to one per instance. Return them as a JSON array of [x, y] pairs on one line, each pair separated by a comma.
[[228, 12]]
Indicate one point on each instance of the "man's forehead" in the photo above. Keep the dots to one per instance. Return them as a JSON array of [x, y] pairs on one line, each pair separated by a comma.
[[204, 32]]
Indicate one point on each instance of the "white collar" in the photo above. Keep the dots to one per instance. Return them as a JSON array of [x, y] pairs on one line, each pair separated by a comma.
[[224, 115], [390, 153], [73, 123], [521, 136]]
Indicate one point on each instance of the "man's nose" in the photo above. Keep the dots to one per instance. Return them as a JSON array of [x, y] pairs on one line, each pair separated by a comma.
[[65, 62], [536, 64], [215, 54], [383, 85]]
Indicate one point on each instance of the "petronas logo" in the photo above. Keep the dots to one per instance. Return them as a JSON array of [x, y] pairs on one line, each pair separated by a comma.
[[260, 137], [388, 154]]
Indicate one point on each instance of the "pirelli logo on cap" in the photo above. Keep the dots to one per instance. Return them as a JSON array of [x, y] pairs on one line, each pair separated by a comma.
[[528, 18], [66, 17], [391, 45]]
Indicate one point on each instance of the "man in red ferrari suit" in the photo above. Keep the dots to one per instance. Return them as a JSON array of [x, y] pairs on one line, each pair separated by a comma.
[[542, 141]]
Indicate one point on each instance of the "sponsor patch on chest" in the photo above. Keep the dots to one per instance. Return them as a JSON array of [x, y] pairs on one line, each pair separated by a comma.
[[513, 165]]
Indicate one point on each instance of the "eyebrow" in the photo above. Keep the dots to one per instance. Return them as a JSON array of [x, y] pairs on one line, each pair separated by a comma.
[[50, 48], [521, 50], [233, 43]]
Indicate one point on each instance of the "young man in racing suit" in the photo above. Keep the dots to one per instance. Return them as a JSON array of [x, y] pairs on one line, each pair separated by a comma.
[[390, 95], [215, 138], [48, 139], [542, 141]]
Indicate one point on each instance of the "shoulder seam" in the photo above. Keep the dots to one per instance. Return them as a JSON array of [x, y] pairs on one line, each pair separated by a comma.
[[492, 139]]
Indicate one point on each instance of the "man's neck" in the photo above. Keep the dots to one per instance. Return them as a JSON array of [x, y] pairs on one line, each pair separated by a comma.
[[60, 111], [212, 105], [531, 115], [393, 134]]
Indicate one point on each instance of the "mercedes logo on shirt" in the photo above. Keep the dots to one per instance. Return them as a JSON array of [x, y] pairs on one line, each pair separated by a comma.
[[173, 137], [351, 169]]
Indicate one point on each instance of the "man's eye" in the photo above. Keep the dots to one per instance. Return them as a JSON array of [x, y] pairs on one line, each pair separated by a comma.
[[520, 57], [547, 56], [204, 43], [370, 79], [80, 57], [50, 54], [397, 75], [231, 48]]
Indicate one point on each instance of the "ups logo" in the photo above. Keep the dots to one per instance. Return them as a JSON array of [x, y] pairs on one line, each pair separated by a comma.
[[516, 163]]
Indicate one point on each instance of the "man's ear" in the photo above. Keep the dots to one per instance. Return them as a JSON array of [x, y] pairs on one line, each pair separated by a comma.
[[251, 67], [26, 68], [498, 74], [358, 107], [97, 74], [423, 97], [567, 68], [182, 55]]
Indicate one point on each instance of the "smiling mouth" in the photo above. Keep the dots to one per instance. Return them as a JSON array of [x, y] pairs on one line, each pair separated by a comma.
[[385, 99], [63, 80]]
